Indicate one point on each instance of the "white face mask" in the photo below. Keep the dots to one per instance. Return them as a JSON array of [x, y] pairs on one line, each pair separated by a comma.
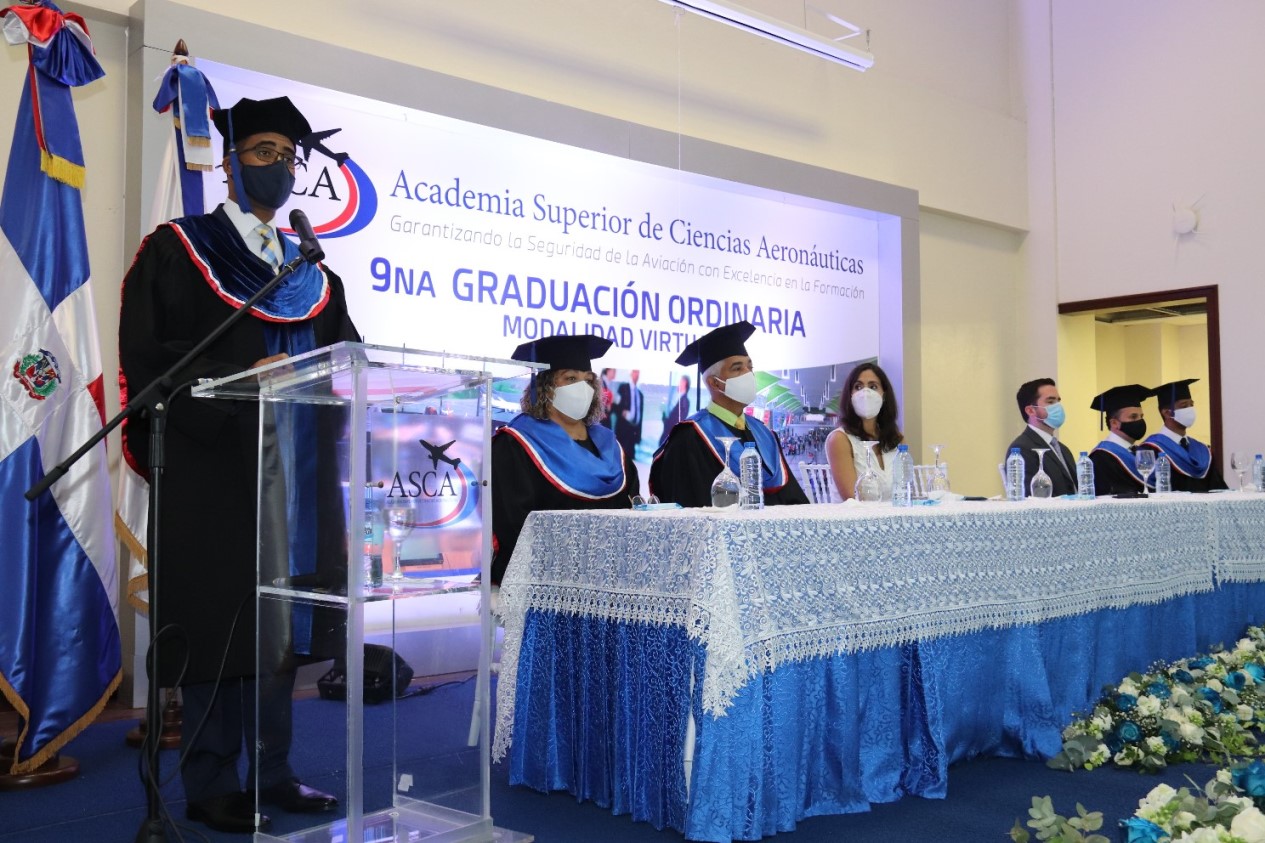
[[573, 400], [741, 388], [867, 402], [1185, 416]]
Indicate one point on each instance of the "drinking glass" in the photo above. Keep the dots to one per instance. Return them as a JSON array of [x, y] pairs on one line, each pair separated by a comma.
[[939, 477], [1041, 486], [868, 488], [401, 517], [1144, 458], [726, 485], [1240, 464]]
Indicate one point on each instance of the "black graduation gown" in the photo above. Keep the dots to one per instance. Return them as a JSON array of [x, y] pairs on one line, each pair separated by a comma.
[[208, 515], [519, 489], [1110, 477], [685, 467]]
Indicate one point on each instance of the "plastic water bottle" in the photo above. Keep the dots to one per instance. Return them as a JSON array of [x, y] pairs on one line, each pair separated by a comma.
[[1014, 476], [1163, 475], [903, 478], [373, 539], [1085, 477], [752, 479], [1258, 473]]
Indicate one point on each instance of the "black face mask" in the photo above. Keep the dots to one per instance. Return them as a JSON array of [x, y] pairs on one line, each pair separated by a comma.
[[1134, 430], [270, 185]]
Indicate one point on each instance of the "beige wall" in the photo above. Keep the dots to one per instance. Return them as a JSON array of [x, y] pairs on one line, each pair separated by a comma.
[[1156, 104]]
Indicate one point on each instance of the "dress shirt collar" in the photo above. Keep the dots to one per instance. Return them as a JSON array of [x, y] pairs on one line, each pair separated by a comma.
[[1176, 437], [1121, 441], [1048, 437], [738, 421], [245, 225]]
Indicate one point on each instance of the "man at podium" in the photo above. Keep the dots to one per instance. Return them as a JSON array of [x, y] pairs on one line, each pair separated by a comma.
[[556, 454], [187, 277]]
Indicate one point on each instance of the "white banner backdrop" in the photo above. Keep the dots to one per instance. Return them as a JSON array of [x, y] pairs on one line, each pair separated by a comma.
[[458, 237]]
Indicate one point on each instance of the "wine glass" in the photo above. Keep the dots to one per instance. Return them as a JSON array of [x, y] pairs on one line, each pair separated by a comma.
[[939, 477], [868, 489], [1041, 486], [1145, 461], [401, 517], [1239, 462], [726, 485]]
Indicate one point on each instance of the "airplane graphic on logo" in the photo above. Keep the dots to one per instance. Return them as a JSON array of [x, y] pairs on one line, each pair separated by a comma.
[[437, 454]]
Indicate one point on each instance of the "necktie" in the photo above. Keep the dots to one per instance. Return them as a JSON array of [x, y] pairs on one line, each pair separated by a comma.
[[1058, 455], [1185, 443], [267, 250]]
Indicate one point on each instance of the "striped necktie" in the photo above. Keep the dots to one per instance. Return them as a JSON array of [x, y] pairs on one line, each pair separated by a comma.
[[267, 250]]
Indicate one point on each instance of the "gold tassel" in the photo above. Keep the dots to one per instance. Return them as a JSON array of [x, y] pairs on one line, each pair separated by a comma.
[[196, 141], [62, 170]]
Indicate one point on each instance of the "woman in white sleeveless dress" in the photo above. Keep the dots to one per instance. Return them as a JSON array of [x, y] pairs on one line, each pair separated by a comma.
[[867, 412]]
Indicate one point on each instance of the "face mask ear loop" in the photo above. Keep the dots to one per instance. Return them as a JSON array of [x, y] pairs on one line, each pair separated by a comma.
[[238, 186]]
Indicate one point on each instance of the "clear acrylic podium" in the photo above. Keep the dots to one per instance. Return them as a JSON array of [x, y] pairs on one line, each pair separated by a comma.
[[373, 552]]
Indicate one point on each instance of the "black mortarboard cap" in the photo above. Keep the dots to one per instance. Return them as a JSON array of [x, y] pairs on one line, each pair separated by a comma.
[[1169, 394], [564, 351], [251, 117], [1118, 397], [725, 341]]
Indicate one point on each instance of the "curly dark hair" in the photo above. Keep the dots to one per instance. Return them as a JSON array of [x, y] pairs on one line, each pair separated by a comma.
[[537, 404], [889, 435]]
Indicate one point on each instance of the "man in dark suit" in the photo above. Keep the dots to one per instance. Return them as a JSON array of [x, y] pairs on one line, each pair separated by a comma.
[[1042, 408], [628, 414]]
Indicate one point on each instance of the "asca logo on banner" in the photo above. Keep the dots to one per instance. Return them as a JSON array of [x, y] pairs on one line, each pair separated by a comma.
[[332, 190], [441, 496]]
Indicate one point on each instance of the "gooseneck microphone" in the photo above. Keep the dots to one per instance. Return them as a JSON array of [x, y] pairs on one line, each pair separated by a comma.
[[309, 246]]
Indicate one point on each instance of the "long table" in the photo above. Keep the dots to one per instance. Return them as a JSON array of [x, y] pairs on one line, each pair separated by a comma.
[[819, 659]]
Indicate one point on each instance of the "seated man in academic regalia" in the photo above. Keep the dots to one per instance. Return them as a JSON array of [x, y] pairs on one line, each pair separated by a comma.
[[687, 463], [1115, 467], [1193, 467], [556, 454]]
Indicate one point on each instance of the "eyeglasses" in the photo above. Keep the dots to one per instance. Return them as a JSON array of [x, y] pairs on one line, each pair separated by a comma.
[[269, 155]]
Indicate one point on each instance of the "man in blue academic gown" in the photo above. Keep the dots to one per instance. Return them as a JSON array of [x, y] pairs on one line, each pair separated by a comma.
[[1115, 468], [1194, 469], [187, 277], [687, 463]]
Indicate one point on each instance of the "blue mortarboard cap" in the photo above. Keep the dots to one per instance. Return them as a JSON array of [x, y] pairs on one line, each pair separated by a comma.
[[564, 351], [725, 341], [1168, 394]]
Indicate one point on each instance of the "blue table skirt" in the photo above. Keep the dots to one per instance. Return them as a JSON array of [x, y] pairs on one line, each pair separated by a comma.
[[602, 707]]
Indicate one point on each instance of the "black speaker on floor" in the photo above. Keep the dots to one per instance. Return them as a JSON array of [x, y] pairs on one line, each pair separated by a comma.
[[385, 672]]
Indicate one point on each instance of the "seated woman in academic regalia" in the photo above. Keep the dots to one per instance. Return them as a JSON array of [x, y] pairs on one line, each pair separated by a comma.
[[556, 454]]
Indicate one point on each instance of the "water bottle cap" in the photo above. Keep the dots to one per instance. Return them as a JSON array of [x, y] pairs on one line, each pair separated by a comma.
[[748, 446], [1014, 450], [1258, 456], [1084, 453], [902, 448]]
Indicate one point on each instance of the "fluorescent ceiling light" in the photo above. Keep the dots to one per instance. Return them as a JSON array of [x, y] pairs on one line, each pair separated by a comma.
[[780, 31]]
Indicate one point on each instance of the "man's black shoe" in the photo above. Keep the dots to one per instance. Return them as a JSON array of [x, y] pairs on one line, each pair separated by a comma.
[[297, 798], [233, 813]]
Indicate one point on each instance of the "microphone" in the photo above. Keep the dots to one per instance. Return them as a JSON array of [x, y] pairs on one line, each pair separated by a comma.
[[309, 246]]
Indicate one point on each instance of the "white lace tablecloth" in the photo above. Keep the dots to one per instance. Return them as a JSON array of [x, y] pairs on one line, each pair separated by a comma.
[[759, 589]]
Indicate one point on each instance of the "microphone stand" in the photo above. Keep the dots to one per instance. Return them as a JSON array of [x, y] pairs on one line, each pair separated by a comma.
[[154, 399]]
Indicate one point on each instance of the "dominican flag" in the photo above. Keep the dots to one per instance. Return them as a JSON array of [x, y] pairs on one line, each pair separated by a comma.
[[186, 94], [59, 637]]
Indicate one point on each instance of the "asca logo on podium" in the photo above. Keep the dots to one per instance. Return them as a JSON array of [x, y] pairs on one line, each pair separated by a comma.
[[444, 493], [332, 190]]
